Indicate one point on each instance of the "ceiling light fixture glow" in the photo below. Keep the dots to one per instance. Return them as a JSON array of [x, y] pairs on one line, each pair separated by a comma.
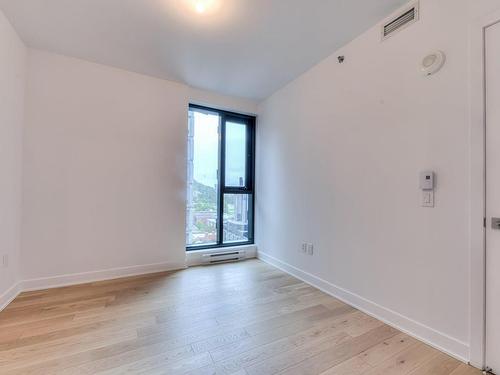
[[203, 6], [200, 7]]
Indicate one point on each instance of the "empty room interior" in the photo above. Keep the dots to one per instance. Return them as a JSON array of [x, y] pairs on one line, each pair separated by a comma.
[[250, 187]]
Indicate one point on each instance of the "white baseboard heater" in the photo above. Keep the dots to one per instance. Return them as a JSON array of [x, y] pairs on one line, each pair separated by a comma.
[[224, 257]]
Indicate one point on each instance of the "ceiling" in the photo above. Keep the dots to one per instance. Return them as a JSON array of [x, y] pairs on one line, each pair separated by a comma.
[[247, 48]]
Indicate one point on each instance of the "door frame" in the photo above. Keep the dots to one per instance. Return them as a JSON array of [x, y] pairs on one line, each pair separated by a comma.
[[477, 224]]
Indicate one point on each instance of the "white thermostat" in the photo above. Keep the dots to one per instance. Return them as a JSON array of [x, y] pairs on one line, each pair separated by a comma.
[[427, 180]]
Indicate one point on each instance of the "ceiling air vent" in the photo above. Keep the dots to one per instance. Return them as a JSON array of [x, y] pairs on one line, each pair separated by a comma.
[[408, 16]]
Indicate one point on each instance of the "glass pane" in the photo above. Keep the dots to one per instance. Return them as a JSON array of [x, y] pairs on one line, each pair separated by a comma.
[[237, 211], [203, 164], [236, 142]]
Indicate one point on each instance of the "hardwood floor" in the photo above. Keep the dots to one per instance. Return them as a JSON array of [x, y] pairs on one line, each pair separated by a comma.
[[242, 318]]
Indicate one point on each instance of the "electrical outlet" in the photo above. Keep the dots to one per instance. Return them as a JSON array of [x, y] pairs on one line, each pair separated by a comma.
[[5, 260], [310, 249], [304, 248]]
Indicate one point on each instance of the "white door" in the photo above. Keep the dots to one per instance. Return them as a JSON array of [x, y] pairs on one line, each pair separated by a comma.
[[493, 197]]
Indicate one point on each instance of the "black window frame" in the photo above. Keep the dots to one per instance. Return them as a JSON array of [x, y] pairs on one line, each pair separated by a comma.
[[248, 189]]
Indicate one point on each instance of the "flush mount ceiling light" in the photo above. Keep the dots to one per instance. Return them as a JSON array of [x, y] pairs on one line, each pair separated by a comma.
[[204, 6]]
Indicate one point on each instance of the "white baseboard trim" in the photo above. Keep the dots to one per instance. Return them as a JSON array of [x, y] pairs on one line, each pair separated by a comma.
[[432, 337], [93, 276], [9, 295]]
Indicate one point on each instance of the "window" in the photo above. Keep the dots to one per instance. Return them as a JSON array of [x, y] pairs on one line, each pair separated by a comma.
[[220, 189]]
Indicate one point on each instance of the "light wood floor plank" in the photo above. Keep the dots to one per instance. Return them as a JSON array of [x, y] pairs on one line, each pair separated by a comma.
[[316, 359], [373, 356], [243, 318]]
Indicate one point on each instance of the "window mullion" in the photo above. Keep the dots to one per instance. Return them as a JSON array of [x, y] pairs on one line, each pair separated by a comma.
[[222, 177]]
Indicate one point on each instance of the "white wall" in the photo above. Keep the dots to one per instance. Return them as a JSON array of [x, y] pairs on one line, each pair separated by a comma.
[[12, 85], [104, 168], [339, 152]]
